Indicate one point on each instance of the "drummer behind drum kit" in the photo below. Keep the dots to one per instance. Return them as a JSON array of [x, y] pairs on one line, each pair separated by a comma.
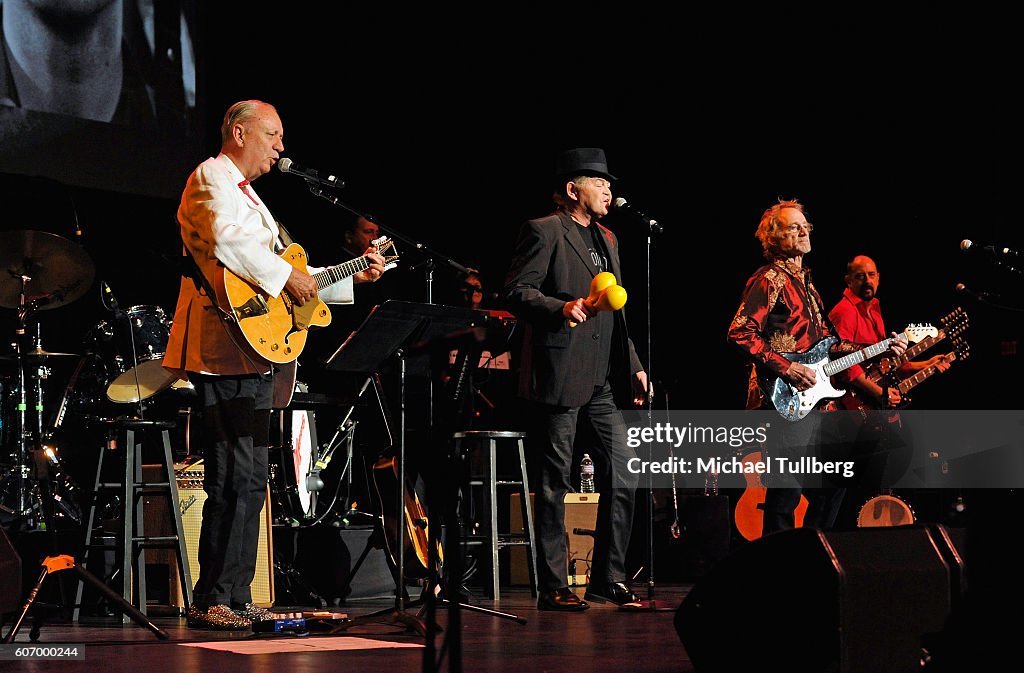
[[40, 271]]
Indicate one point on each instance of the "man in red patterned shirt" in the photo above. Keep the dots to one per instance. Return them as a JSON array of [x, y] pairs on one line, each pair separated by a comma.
[[781, 312]]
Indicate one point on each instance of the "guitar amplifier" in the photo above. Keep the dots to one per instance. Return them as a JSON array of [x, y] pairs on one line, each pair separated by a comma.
[[580, 513], [191, 498]]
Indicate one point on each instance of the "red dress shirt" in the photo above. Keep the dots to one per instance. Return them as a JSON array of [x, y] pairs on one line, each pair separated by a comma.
[[858, 321]]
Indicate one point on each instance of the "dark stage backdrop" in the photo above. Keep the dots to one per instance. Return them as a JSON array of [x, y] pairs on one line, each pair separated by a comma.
[[900, 141]]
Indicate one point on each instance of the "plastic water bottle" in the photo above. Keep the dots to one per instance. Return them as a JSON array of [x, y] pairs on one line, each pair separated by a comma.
[[586, 474]]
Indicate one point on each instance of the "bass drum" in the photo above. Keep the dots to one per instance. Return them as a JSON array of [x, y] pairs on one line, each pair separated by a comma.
[[292, 445], [143, 374], [885, 510]]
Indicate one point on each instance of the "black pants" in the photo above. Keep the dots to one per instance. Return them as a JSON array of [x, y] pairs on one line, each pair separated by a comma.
[[235, 430], [782, 497], [552, 441]]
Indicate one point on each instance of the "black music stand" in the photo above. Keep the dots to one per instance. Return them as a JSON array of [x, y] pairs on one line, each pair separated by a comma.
[[388, 333]]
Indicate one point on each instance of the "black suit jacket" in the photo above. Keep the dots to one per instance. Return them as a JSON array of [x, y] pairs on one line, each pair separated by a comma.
[[551, 265]]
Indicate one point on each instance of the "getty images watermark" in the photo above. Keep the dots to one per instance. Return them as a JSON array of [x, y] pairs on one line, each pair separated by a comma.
[[877, 450]]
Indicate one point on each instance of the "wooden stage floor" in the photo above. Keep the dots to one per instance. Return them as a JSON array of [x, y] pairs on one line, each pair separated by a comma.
[[602, 639]]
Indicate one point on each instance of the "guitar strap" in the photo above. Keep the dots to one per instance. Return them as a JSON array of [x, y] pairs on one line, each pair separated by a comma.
[[285, 237]]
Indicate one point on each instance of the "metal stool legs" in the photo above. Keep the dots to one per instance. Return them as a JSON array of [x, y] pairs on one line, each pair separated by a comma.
[[133, 538], [487, 441]]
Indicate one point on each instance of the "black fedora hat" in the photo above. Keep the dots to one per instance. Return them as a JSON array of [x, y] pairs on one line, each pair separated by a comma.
[[582, 161]]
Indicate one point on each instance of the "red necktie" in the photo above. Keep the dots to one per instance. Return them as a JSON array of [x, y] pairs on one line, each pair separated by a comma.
[[244, 186]]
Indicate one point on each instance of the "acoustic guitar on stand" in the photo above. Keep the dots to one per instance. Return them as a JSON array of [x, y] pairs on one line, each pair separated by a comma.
[[415, 534], [748, 516], [277, 327]]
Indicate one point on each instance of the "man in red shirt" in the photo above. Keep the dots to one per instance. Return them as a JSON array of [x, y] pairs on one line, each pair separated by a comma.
[[858, 318]]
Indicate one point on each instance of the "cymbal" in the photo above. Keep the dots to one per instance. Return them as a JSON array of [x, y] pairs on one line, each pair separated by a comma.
[[59, 271], [37, 352]]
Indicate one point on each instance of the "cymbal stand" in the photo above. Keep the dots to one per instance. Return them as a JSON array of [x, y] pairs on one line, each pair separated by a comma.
[[31, 493], [23, 507]]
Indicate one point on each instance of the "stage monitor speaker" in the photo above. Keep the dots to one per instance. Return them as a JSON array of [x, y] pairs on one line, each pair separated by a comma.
[[857, 601], [326, 556], [191, 498], [952, 543], [10, 576]]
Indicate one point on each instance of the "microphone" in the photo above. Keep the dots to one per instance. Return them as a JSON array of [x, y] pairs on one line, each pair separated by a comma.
[[110, 299], [980, 295], [967, 245], [286, 165], [623, 205]]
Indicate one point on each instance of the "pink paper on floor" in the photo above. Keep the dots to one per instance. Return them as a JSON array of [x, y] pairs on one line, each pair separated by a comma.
[[279, 645]]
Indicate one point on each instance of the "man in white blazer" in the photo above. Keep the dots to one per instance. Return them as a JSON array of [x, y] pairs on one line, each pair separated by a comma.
[[225, 223]]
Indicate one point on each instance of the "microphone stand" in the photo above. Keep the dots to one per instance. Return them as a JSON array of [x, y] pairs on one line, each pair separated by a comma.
[[115, 308], [433, 256], [650, 604], [430, 597]]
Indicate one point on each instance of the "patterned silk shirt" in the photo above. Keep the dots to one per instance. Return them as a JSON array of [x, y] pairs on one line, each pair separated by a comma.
[[780, 312]]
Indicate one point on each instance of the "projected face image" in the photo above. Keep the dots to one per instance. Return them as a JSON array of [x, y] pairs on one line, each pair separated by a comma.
[[92, 60]]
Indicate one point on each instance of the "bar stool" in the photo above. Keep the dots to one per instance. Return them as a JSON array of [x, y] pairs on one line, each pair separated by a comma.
[[486, 441], [130, 434]]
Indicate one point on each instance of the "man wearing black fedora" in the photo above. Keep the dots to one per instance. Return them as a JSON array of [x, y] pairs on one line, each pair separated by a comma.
[[578, 367]]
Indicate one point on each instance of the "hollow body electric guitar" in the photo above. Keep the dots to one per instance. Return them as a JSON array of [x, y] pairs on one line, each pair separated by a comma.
[[277, 327], [795, 404]]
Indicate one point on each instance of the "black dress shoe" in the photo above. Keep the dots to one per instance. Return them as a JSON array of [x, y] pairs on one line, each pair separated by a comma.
[[561, 600], [616, 592]]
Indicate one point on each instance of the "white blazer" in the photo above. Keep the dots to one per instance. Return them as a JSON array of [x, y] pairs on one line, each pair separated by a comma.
[[222, 225]]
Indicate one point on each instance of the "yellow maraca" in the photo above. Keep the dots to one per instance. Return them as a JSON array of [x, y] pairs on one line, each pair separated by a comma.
[[605, 294]]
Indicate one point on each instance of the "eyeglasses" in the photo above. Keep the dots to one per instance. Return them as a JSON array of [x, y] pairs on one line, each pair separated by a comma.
[[795, 228]]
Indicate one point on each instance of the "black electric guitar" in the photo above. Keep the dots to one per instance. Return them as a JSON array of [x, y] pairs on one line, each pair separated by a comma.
[[795, 404]]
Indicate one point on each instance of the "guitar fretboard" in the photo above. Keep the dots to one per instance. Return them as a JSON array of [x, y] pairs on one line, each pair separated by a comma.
[[333, 274], [912, 352], [841, 364], [906, 384], [920, 347]]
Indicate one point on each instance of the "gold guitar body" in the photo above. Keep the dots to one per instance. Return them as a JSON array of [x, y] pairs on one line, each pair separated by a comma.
[[275, 327]]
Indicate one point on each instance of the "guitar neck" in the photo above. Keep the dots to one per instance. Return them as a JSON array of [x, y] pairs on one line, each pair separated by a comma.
[[918, 348], [842, 364], [339, 272], [911, 381]]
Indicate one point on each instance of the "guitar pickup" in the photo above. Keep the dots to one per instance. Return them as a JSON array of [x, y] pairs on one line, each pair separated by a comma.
[[255, 306]]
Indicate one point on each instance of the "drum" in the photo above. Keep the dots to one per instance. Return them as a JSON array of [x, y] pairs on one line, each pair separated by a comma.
[[85, 394], [885, 510], [142, 374], [292, 464]]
